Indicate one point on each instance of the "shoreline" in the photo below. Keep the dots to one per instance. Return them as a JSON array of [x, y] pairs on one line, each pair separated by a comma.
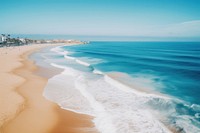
[[30, 111]]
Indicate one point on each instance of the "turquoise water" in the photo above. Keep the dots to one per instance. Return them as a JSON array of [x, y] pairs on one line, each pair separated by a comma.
[[175, 64], [173, 69], [128, 87]]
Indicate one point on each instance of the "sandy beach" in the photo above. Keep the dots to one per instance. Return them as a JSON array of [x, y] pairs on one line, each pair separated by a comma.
[[23, 109]]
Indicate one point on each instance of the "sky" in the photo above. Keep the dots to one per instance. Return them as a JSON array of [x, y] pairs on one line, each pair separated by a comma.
[[139, 18]]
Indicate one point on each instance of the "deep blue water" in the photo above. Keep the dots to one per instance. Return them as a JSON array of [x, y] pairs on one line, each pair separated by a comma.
[[174, 64]]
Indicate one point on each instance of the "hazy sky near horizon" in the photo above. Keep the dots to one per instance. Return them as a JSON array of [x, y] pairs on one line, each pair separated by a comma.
[[162, 18]]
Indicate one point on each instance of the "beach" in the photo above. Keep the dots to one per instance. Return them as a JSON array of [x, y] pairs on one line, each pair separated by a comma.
[[62, 88], [23, 109]]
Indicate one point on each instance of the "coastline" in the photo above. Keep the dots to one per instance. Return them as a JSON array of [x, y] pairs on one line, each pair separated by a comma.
[[23, 108]]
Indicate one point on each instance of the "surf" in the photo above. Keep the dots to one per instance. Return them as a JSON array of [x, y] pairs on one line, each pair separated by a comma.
[[106, 98]]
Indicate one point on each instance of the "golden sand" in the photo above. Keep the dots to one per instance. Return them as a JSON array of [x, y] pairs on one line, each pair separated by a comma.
[[23, 109]]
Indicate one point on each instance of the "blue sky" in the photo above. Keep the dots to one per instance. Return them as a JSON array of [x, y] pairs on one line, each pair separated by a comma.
[[157, 18]]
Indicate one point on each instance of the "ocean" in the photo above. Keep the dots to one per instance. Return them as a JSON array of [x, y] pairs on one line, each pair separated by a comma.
[[128, 87]]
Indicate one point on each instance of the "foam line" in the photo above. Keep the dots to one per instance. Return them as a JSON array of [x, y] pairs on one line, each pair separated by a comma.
[[95, 71], [102, 117], [59, 50], [82, 63], [125, 88], [69, 57]]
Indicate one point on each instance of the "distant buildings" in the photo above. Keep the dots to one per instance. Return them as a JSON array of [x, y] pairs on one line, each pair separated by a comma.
[[6, 40]]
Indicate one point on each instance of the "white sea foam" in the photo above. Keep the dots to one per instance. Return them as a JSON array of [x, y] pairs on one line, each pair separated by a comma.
[[93, 61], [102, 120], [59, 50], [126, 88], [82, 62], [197, 115], [95, 71], [61, 89], [69, 57], [195, 107], [117, 109]]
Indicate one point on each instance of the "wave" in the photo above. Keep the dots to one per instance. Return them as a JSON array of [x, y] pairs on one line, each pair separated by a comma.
[[82, 63], [69, 57], [115, 109], [171, 108], [77, 60], [59, 50], [95, 71], [126, 88], [187, 70]]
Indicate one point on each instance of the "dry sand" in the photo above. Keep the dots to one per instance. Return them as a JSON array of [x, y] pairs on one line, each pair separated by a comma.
[[23, 109]]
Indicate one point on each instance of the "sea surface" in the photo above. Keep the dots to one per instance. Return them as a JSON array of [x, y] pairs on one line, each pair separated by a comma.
[[146, 87]]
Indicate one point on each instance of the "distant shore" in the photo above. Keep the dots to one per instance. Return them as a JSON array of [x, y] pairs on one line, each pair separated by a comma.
[[7, 41], [23, 109]]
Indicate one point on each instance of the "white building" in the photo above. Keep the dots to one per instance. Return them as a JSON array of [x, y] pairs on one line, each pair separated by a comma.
[[22, 40], [2, 38]]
